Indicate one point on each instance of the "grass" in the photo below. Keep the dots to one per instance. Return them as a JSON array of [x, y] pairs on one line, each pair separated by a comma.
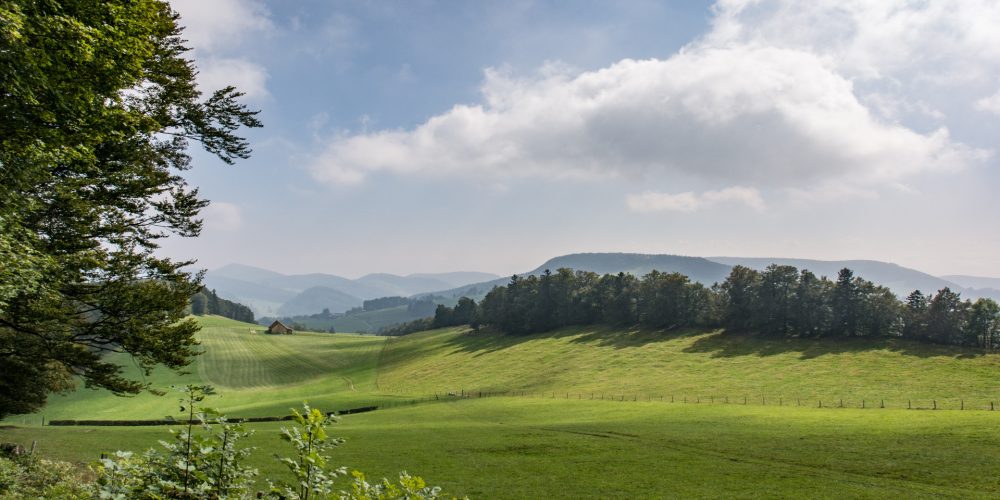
[[544, 446], [552, 448], [256, 374], [692, 364]]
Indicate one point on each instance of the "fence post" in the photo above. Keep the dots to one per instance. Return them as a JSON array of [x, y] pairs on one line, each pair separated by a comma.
[[963, 405], [671, 398], [841, 403], [909, 404], [711, 399], [697, 399], [991, 405], [762, 400], [883, 403], [744, 400], [781, 402], [821, 403], [862, 404], [727, 399], [935, 403]]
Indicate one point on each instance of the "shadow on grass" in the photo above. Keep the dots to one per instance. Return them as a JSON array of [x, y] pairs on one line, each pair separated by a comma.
[[728, 345], [486, 342], [717, 343]]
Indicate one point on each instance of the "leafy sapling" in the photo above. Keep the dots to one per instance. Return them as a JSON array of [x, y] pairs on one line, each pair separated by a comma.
[[309, 465]]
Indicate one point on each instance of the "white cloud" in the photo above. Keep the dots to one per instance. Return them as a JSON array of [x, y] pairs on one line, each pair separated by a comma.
[[218, 32], [222, 216], [823, 100], [650, 201], [742, 113], [944, 41], [990, 104], [248, 77], [220, 25]]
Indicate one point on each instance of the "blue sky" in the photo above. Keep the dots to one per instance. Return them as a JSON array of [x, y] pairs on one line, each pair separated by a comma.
[[440, 136]]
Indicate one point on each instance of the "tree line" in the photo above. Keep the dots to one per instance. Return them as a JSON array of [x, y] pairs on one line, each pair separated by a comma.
[[780, 301], [208, 302]]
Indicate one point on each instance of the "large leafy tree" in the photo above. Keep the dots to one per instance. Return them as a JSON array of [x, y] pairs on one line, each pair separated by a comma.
[[98, 106]]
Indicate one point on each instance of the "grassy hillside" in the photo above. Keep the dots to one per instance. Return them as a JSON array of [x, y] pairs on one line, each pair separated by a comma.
[[256, 374], [558, 443], [691, 364]]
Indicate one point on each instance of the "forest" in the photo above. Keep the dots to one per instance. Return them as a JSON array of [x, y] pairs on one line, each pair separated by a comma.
[[208, 302], [780, 301]]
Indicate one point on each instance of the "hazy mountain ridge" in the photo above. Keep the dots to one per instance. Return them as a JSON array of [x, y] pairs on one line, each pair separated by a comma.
[[709, 270], [901, 280], [268, 293], [271, 293]]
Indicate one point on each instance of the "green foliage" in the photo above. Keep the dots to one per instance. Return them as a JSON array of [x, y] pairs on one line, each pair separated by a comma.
[[99, 105], [409, 487], [779, 302], [208, 302], [309, 466], [31, 477], [209, 464], [206, 464]]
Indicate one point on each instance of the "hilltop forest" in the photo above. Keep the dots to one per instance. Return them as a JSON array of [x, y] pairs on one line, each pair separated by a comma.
[[780, 301]]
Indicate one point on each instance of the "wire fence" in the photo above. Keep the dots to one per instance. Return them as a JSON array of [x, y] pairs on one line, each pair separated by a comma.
[[960, 404], [951, 404]]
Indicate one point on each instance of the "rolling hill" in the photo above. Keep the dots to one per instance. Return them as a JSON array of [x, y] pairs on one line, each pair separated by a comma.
[[261, 374], [592, 415], [270, 293], [709, 270]]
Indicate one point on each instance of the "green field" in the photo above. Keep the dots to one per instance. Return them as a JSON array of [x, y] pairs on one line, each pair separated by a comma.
[[557, 442], [256, 375]]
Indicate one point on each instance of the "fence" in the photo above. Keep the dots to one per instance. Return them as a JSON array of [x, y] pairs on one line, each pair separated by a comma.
[[962, 404]]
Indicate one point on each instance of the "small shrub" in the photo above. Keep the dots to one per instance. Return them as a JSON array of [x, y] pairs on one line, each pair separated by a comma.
[[28, 476], [208, 464]]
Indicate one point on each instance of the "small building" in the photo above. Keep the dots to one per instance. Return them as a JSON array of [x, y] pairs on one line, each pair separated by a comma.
[[279, 328]]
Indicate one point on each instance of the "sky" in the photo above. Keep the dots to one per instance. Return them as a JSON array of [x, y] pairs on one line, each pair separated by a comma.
[[427, 136]]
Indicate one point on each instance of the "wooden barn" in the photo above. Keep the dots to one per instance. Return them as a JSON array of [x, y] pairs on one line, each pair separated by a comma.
[[279, 328]]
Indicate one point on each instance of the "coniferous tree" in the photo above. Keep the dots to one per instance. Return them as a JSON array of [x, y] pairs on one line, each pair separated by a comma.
[[741, 288], [846, 305], [915, 316], [775, 300], [812, 315], [946, 317]]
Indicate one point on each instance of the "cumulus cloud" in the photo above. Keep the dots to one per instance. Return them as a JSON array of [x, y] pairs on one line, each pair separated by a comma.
[[768, 98], [943, 41], [222, 216], [749, 114], [218, 31], [990, 104], [216, 73], [220, 25], [688, 201]]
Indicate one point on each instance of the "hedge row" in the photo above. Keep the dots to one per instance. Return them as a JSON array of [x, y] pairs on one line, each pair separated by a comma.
[[170, 421]]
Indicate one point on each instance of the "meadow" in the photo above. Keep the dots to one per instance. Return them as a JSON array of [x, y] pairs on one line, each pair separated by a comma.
[[556, 442]]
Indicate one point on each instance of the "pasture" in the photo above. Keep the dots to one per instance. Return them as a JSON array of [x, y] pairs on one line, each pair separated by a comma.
[[557, 442]]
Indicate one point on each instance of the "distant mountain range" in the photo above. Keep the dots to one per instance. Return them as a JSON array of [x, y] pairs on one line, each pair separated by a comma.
[[270, 293], [709, 270], [274, 294]]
